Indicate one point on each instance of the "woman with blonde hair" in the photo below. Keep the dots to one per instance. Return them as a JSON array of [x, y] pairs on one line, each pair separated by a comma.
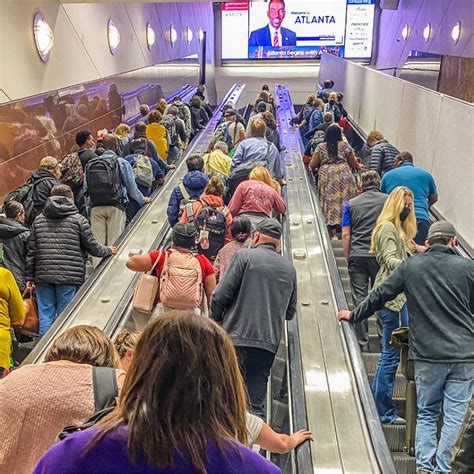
[[214, 212], [125, 344], [182, 409], [161, 106], [392, 242], [37, 401], [257, 197], [122, 133]]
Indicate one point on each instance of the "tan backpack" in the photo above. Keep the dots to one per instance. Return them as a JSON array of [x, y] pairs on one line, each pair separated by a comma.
[[181, 281]]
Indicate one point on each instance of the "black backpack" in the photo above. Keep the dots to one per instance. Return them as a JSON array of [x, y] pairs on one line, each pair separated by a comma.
[[104, 381], [104, 181], [212, 220], [25, 195], [239, 175]]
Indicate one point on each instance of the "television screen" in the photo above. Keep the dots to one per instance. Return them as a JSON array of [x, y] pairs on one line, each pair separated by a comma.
[[297, 29]]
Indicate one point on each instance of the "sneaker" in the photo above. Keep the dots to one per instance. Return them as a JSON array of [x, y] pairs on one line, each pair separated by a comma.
[[398, 421]]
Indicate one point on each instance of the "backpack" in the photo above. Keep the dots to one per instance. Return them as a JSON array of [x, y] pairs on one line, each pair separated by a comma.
[[187, 199], [219, 134], [104, 181], [104, 381], [209, 220], [318, 137], [181, 281], [170, 126], [25, 195], [182, 112], [72, 173], [121, 142], [230, 141], [143, 171]]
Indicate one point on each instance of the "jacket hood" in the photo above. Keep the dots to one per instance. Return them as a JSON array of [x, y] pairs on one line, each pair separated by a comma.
[[59, 207], [213, 201], [42, 173], [11, 227], [195, 181]]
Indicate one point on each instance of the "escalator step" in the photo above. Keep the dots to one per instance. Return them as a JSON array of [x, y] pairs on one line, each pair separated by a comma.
[[336, 244], [373, 325], [404, 463], [374, 342], [371, 360], [395, 435], [399, 386], [339, 252], [344, 272]]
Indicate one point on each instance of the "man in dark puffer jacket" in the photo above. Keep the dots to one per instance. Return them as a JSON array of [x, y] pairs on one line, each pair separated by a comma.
[[58, 246]]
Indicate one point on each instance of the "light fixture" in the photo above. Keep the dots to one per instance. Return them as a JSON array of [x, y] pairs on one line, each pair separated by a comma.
[[173, 35], [188, 35], [44, 37], [113, 36], [405, 32], [150, 36], [200, 34], [427, 32], [456, 32]]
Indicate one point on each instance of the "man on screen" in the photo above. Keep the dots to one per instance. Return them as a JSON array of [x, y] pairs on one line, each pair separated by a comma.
[[273, 34]]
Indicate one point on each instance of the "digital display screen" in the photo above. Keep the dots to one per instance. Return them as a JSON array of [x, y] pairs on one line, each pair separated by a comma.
[[297, 29]]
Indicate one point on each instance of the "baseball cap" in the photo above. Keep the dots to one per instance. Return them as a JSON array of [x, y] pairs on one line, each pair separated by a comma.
[[441, 229], [261, 106], [184, 235], [49, 163], [229, 113], [270, 227]]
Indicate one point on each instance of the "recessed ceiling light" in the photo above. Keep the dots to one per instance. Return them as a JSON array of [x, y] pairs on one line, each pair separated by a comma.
[[150, 36], [405, 32], [189, 34], [44, 37], [113, 36], [427, 32], [173, 35], [200, 34], [456, 32]]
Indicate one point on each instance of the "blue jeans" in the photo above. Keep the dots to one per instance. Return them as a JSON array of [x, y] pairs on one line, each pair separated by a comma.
[[173, 154], [388, 363], [440, 385], [51, 300]]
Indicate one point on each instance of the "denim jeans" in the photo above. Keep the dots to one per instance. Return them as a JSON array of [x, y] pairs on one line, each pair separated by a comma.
[[173, 154], [388, 363], [440, 385], [51, 300]]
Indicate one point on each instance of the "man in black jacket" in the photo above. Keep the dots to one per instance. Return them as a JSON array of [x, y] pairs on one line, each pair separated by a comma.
[[43, 180], [252, 301], [439, 287], [358, 221], [57, 250]]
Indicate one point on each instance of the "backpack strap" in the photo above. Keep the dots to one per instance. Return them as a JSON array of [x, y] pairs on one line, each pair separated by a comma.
[[189, 212], [184, 191], [226, 211], [104, 381]]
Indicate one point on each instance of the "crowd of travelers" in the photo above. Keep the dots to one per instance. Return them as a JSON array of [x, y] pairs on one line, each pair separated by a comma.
[[188, 393]]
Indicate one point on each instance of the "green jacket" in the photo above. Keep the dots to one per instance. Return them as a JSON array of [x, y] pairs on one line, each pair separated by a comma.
[[391, 251]]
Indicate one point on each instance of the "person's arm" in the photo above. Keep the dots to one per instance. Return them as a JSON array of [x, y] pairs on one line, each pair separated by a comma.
[[217, 265], [236, 202], [346, 229], [88, 241], [181, 130], [275, 163], [315, 160], [278, 203], [337, 113], [173, 207], [129, 182], [387, 291], [432, 193], [383, 184], [376, 159], [209, 287], [352, 161], [16, 308], [157, 171], [224, 294], [291, 310], [31, 256], [274, 442], [387, 248], [139, 263], [238, 155]]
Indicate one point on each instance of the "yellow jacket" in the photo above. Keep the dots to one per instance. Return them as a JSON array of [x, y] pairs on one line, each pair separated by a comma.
[[11, 309], [158, 135], [217, 161]]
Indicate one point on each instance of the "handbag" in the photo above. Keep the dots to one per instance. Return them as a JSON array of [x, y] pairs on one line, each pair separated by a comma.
[[146, 291], [30, 325]]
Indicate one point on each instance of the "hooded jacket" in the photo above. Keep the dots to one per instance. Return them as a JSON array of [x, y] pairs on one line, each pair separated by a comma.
[[194, 183], [211, 201], [14, 237], [58, 246], [159, 136], [43, 181]]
